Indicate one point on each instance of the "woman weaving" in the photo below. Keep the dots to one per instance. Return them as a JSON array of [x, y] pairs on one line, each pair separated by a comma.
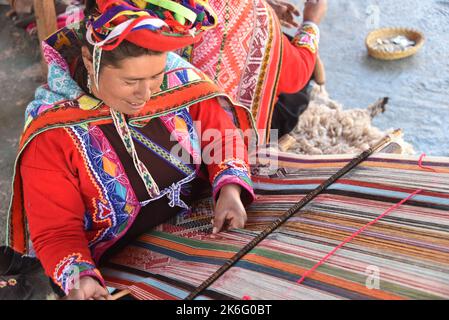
[[95, 168]]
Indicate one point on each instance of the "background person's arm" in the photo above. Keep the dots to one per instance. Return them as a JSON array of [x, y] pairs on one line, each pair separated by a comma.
[[300, 54]]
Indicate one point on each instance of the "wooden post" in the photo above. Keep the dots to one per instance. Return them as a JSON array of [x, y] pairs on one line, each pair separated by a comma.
[[45, 13]]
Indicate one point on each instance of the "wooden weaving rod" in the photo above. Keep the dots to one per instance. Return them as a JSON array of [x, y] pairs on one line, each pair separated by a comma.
[[288, 214]]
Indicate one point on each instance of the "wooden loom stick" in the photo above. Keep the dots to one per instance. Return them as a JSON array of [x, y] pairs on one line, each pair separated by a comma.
[[288, 214]]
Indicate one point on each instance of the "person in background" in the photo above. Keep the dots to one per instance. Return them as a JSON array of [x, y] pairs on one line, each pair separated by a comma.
[[257, 65]]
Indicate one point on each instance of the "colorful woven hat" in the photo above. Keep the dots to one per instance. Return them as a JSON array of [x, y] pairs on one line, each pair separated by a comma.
[[159, 25]]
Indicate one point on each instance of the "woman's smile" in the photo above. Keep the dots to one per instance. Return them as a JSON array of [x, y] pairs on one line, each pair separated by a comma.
[[136, 105]]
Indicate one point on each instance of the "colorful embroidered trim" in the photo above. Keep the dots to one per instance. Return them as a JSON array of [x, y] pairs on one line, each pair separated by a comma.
[[116, 205], [125, 134], [71, 267], [232, 171], [161, 152], [237, 164], [308, 36]]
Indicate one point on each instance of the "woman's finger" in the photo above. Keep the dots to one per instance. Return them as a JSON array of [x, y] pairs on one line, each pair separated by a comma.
[[74, 294], [237, 223], [289, 25], [238, 220], [293, 24], [292, 8], [218, 222]]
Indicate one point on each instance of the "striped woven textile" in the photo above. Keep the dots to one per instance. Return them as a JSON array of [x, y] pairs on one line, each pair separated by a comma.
[[405, 255]]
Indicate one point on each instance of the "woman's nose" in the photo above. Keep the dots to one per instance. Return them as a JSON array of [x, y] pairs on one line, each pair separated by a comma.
[[143, 91]]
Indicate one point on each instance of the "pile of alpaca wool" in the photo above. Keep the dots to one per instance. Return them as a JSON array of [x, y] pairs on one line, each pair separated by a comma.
[[325, 128]]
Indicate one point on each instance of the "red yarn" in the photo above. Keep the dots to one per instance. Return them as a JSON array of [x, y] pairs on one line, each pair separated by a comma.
[[421, 165], [308, 272]]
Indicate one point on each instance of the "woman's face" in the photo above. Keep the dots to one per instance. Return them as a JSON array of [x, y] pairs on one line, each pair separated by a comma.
[[129, 85]]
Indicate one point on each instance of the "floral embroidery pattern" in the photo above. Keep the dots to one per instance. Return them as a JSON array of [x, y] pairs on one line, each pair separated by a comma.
[[307, 37], [69, 268]]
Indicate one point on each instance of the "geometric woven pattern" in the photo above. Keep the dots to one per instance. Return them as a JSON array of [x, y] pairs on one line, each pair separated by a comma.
[[242, 55], [404, 255]]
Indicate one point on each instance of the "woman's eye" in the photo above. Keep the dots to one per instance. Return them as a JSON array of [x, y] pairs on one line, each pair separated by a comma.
[[157, 77]]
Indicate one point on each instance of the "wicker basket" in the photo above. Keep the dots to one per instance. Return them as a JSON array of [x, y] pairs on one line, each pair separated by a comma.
[[384, 33]]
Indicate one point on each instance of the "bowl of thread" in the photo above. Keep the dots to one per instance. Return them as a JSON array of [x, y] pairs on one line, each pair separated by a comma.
[[394, 43]]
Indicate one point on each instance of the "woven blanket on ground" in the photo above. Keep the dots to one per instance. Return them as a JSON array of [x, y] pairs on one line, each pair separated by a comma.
[[405, 255]]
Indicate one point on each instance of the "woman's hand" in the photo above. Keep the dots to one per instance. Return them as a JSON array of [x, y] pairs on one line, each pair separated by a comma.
[[286, 12], [229, 209], [89, 289], [315, 10]]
